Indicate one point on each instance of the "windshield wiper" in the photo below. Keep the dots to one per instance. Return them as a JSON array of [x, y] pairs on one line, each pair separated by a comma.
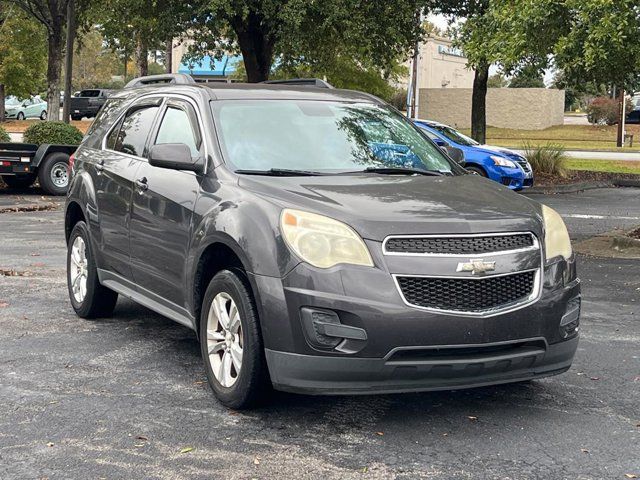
[[400, 170], [280, 172]]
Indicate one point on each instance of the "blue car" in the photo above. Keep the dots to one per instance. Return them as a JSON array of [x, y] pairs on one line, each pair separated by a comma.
[[500, 164]]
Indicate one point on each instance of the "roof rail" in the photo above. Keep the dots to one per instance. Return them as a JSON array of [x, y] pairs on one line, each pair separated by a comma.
[[165, 78], [305, 82]]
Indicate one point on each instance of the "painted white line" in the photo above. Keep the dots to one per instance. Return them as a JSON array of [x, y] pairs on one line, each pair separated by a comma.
[[599, 217]]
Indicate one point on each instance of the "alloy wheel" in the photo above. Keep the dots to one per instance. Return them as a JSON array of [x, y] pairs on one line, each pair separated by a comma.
[[224, 339], [79, 269]]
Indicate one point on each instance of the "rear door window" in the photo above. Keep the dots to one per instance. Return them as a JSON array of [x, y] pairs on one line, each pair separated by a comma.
[[132, 136]]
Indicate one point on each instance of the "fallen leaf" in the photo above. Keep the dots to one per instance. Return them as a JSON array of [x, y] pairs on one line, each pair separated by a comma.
[[50, 444], [631, 475], [380, 433], [256, 461], [595, 378], [139, 445], [35, 254], [472, 418], [584, 450], [3, 304], [199, 382], [142, 437], [445, 434], [187, 450], [364, 470]]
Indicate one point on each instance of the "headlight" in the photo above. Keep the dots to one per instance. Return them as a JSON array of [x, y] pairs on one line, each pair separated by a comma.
[[322, 241], [556, 236], [502, 162]]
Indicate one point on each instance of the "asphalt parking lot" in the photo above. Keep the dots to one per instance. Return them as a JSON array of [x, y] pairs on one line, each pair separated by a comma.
[[126, 397]]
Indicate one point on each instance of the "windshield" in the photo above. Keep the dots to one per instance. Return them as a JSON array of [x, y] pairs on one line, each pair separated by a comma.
[[319, 136], [455, 136]]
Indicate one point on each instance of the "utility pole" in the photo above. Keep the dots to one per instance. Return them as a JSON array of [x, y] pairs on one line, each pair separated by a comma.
[[169, 56], [621, 112], [68, 60]]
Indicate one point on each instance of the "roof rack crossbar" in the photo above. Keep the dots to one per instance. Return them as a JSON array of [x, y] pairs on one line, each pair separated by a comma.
[[165, 78], [305, 82]]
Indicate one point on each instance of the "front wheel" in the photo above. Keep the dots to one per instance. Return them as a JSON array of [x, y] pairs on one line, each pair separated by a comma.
[[53, 173], [88, 298], [20, 116], [231, 343], [476, 170]]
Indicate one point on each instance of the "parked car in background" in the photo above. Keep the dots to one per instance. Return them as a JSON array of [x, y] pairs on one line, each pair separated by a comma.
[[33, 107], [500, 164], [633, 116], [87, 103]]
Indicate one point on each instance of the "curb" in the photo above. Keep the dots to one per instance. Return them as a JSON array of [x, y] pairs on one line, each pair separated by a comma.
[[579, 187]]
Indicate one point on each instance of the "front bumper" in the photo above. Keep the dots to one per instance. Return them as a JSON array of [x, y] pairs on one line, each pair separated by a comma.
[[314, 374], [513, 178], [403, 348]]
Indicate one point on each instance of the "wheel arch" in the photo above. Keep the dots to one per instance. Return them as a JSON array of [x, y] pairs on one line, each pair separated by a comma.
[[47, 149]]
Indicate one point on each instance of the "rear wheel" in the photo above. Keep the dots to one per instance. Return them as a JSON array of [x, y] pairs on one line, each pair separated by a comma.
[[20, 116], [53, 173], [88, 298], [43, 115], [19, 181], [231, 343]]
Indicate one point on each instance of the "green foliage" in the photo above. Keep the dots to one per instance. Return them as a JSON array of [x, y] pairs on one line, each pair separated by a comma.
[[497, 81], [93, 63], [605, 111], [369, 36], [399, 99], [527, 77], [23, 54], [53, 132], [4, 136], [549, 159]]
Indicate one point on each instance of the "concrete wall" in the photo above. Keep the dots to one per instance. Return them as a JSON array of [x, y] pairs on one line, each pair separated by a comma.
[[519, 108]]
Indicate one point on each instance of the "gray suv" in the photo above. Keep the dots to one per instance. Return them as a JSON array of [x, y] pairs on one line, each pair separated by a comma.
[[316, 242]]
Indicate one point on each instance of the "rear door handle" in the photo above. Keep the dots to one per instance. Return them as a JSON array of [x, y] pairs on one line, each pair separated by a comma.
[[141, 184]]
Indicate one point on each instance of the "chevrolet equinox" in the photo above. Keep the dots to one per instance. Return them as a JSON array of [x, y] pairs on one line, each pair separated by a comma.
[[317, 242]]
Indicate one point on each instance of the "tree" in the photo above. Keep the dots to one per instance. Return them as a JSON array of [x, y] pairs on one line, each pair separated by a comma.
[[23, 55], [497, 80], [589, 40], [94, 65], [306, 33], [473, 34], [527, 77], [52, 14]]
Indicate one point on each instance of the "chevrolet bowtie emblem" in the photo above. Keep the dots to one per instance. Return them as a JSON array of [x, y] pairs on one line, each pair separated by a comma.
[[476, 267]]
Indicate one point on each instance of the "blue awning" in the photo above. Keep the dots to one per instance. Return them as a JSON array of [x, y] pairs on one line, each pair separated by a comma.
[[208, 67]]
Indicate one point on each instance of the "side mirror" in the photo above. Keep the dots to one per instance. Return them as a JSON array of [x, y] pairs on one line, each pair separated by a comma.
[[455, 153], [176, 156]]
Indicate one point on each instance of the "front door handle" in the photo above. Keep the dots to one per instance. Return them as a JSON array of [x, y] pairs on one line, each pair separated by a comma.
[[141, 184], [100, 166]]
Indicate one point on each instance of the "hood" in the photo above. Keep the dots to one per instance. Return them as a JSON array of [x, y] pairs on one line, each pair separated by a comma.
[[501, 150], [380, 205]]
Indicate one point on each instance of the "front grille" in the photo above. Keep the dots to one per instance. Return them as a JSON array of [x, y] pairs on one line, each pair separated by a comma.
[[468, 294], [459, 245]]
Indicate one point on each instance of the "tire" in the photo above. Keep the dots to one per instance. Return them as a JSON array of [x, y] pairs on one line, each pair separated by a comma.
[[76, 117], [20, 116], [19, 182], [53, 173], [43, 115], [93, 300], [476, 170], [250, 385]]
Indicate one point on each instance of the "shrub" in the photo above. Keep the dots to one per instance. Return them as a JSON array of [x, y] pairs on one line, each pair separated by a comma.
[[399, 99], [548, 159], [4, 136], [605, 110], [53, 132]]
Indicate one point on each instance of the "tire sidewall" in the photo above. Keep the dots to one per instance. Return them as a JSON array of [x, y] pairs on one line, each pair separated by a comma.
[[43, 115], [44, 173], [242, 392], [82, 309], [20, 116]]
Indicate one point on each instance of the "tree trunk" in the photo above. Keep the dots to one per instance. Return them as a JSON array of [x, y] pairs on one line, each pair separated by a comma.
[[142, 56], [68, 61], [54, 69], [2, 116], [169, 56], [256, 46], [479, 103]]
